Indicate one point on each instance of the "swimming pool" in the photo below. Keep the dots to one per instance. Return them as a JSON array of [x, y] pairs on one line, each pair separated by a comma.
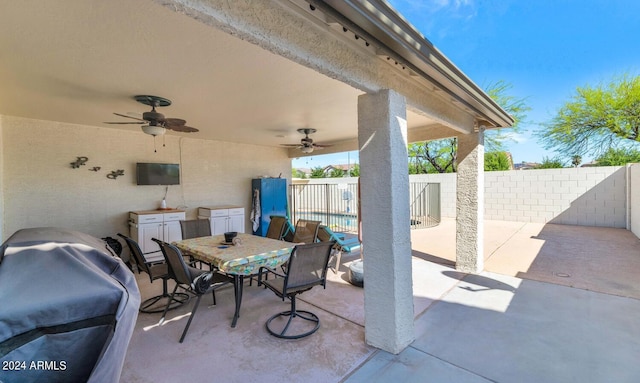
[[344, 222]]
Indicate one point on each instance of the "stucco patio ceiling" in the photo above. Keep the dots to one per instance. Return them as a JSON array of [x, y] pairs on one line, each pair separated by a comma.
[[82, 60]]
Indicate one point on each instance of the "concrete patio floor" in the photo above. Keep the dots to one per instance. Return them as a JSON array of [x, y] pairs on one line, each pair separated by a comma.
[[556, 303]]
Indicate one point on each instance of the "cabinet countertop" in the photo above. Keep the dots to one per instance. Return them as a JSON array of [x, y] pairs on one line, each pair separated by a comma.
[[143, 212], [221, 207]]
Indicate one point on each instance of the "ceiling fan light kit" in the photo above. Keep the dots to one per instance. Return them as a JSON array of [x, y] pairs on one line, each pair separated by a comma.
[[154, 130]]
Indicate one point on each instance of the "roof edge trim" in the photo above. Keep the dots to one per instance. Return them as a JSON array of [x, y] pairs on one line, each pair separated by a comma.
[[376, 20]]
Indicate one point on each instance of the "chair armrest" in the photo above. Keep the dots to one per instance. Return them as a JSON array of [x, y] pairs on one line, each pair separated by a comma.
[[349, 246], [262, 269]]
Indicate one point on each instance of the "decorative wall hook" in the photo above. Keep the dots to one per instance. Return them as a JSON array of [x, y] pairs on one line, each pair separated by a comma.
[[115, 174], [94, 169], [79, 162]]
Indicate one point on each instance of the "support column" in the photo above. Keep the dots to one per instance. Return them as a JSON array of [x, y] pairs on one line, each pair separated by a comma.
[[384, 181], [470, 203]]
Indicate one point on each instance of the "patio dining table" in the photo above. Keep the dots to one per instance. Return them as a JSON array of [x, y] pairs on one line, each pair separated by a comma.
[[240, 260]]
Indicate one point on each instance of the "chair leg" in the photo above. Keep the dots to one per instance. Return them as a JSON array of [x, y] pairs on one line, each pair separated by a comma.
[[193, 313], [164, 313], [293, 313], [338, 256]]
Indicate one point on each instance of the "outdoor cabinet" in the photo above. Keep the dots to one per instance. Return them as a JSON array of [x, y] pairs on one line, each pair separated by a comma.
[[145, 225], [272, 197], [223, 218]]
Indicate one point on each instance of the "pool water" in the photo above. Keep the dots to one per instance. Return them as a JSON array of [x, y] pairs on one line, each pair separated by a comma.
[[341, 222]]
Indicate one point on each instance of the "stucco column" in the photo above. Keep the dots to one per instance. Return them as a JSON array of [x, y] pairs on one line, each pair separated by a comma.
[[384, 181], [470, 203]]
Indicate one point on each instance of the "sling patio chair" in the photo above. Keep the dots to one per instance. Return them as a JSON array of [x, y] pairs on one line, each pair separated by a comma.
[[155, 270], [306, 231], [277, 225], [192, 280], [342, 245], [194, 228], [307, 267]]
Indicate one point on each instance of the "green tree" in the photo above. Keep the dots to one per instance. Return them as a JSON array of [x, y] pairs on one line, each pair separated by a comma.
[[437, 156], [441, 156], [618, 157], [317, 172], [495, 139], [496, 161], [337, 173], [576, 160], [354, 171], [297, 173], [550, 163], [596, 119]]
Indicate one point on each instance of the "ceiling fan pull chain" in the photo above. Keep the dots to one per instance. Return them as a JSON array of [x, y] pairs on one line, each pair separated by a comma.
[[154, 145]]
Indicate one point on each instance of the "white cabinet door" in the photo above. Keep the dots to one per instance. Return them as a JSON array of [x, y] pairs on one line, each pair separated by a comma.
[[145, 233], [218, 225], [236, 223], [172, 231]]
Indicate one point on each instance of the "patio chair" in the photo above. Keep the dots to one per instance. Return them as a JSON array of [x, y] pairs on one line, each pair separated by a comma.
[[195, 228], [288, 231], [307, 267], [306, 231], [192, 280], [342, 245], [277, 225], [155, 270]]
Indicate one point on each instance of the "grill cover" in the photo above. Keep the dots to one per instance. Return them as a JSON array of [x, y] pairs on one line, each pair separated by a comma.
[[68, 308]]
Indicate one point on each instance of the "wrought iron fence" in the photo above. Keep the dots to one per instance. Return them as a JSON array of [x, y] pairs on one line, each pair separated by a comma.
[[336, 204]]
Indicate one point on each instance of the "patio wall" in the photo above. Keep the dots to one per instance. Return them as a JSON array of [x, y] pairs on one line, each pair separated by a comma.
[[634, 198], [41, 189], [590, 196]]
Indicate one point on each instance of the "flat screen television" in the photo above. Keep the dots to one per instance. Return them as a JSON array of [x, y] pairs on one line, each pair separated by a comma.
[[157, 174]]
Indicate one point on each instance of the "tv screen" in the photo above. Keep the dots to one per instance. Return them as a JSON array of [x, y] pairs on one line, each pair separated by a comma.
[[157, 174]]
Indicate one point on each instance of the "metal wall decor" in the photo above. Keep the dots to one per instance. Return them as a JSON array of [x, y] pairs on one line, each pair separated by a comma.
[[115, 174], [79, 162]]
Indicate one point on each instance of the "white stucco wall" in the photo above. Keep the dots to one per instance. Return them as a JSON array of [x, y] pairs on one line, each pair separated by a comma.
[[634, 198], [41, 189]]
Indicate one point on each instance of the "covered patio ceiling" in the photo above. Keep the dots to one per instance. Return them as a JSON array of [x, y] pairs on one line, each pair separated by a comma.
[[82, 60]]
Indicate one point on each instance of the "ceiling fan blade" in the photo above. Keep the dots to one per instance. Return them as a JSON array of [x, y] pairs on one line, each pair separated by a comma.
[[291, 145], [182, 128], [125, 123], [174, 122], [124, 115], [321, 145]]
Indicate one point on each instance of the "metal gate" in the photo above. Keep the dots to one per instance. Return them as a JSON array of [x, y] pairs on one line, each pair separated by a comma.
[[336, 204]]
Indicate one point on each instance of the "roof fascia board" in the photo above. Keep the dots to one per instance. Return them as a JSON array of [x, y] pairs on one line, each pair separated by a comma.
[[378, 23]]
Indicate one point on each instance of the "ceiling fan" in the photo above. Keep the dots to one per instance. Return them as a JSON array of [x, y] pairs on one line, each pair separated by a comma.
[[306, 144], [155, 123]]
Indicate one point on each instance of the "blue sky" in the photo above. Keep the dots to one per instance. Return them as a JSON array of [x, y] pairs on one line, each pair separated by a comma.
[[544, 48]]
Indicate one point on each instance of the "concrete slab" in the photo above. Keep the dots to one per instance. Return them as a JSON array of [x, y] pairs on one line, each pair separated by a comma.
[[411, 366], [524, 324], [215, 352], [512, 330]]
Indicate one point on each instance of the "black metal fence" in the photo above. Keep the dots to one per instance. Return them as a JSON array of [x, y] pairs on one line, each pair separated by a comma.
[[336, 204]]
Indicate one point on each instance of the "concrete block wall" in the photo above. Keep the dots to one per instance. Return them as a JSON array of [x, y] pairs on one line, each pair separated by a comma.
[[591, 196]]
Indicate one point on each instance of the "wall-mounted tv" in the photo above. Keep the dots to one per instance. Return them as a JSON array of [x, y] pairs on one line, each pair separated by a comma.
[[157, 174]]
